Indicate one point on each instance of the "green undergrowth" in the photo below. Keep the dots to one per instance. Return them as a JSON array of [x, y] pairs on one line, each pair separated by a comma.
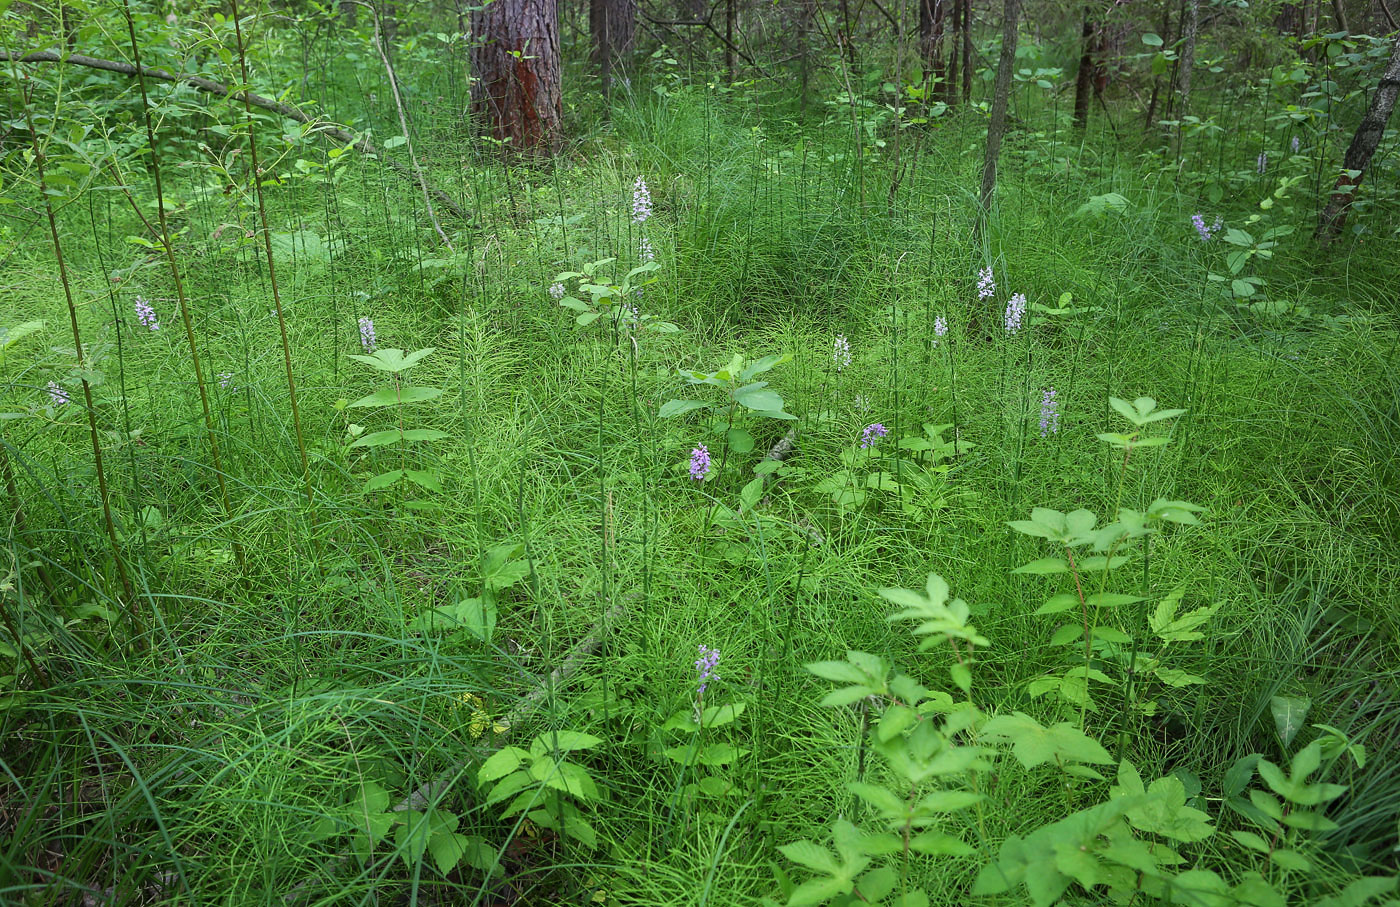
[[538, 569]]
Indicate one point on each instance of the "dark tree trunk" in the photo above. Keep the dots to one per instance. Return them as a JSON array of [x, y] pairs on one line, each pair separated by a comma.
[[967, 48], [516, 94], [1001, 94], [1084, 74], [614, 27], [1150, 117], [1363, 146], [955, 55], [931, 16]]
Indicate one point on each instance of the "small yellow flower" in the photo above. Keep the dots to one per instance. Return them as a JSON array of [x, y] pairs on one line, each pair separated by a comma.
[[479, 720]]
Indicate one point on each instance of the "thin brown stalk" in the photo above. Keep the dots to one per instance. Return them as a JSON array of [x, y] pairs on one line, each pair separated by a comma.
[[78, 349], [169, 248], [272, 275]]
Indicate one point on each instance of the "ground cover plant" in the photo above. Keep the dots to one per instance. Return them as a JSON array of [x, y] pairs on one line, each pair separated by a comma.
[[720, 505]]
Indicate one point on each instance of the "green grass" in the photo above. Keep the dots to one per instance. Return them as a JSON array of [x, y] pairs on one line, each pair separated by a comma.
[[187, 761]]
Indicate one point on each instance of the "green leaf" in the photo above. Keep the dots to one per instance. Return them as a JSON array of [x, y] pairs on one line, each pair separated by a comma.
[[1045, 566], [424, 478], [811, 855], [838, 671], [1063, 601], [393, 360], [566, 741], [881, 799], [500, 764], [411, 838], [739, 440], [377, 439], [1291, 860], [679, 407], [763, 365], [1290, 713], [447, 850], [383, 480], [389, 396], [819, 891], [1251, 840], [757, 397], [1111, 599], [1034, 745]]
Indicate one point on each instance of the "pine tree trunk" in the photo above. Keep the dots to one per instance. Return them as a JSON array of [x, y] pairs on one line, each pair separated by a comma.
[[1190, 29], [614, 27], [515, 92], [1363, 146], [1001, 94]]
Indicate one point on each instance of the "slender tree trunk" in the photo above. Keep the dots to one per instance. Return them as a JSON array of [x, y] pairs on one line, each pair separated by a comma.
[[614, 27], [729, 14], [931, 19], [1190, 29], [967, 48], [1000, 96], [516, 92], [1084, 74], [1363, 146], [804, 66], [1151, 116], [1340, 12], [950, 93]]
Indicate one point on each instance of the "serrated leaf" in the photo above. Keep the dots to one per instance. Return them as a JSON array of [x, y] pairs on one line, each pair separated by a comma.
[[501, 763], [811, 855]]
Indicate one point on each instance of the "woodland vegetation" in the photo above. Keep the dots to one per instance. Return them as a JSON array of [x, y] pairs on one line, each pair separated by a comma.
[[851, 452]]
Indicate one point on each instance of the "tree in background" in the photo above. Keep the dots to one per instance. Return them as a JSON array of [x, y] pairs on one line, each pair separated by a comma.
[[1363, 146], [516, 73], [614, 27]]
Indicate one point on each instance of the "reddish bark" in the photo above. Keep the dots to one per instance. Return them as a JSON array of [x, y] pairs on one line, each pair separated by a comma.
[[516, 73]]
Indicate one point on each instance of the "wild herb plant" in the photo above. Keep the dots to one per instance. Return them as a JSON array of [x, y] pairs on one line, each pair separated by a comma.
[[1101, 550], [745, 400], [394, 398]]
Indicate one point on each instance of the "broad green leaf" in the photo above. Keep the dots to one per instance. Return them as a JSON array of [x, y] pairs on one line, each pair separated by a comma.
[[566, 741], [1291, 860], [383, 480], [758, 397], [740, 440], [1044, 567], [1251, 840], [1290, 713], [447, 850], [679, 407], [839, 671], [377, 439], [500, 764], [424, 478], [1063, 601], [1111, 599]]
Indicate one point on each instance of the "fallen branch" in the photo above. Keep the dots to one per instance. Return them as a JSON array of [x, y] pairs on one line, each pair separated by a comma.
[[326, 130]]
